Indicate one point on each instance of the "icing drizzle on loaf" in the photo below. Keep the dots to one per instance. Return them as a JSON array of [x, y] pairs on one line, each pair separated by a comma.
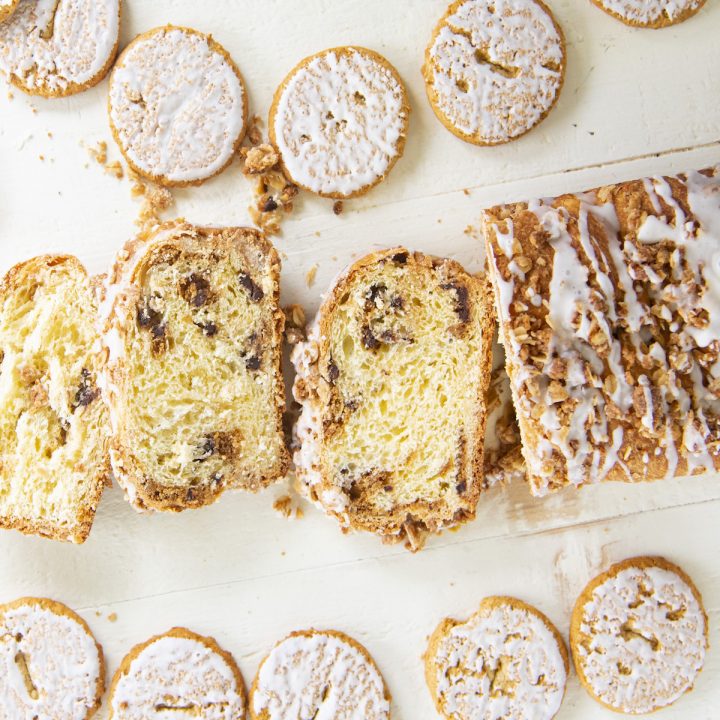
[[620, 356]]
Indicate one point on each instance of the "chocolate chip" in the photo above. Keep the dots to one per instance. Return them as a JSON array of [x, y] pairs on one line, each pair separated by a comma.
[[206, 448], [388, 488], [368, 339], [400, 258], [397, 303], [86, 392], [461, 487], [269, 205], [195, 290], [375, 291], [208, 328], [147, 317], [254, 291], [354, 492], [333, 371], [462, 307], [252, 363], [190, 495]]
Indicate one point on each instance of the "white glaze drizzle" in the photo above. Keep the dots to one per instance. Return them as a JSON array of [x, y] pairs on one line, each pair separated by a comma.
[[648, 12], [319, 673], [52, 49], [62, 662], [504, 662], [339, 121], [178, 672], [496, 67], [177, 105], [637, 659]]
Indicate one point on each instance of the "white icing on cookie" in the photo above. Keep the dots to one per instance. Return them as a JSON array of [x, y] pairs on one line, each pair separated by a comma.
[[650, 12], [494, 69], [49, 665], [57, 47], [676, 394], [339, 121], [504, 662], [642, 639], [318, 675], [177, 676], [177, 105]]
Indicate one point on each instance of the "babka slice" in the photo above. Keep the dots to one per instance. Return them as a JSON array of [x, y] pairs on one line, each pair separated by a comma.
[[392, 380], [53, 425], [193, 331]]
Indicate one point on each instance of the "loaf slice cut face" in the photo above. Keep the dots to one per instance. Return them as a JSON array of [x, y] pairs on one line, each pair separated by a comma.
[[53, 425], [392, 380], [193, 333]]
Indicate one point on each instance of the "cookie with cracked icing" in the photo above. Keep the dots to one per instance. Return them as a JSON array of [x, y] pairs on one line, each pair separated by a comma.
[[56, 48], [177, 105], [339, 121], [51, 666], [392, 382], [319, 674], [639, 634], [191, 324], [506, 660], [494, 70], [7, 8], [178, 673], [653, 14]]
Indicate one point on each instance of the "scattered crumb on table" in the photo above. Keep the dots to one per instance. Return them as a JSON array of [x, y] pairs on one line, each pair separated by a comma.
[[310, 275], [112, 617]]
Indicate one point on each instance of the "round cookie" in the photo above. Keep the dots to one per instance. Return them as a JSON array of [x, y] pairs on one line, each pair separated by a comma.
[[507, 660], [57, 48], [339, 121], [653, 14], [50, 664], [7, 7], [177, 105], [178, 672], [494, 70], [638, 635], [319, 674]]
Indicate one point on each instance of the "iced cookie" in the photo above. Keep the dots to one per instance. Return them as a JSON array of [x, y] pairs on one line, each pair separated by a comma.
[[178, 674], [178, 106], [494, 70], [508, 660], [650, 13], [58, 47], [339, 121], [319, 674], [639, 635], [50, 664]]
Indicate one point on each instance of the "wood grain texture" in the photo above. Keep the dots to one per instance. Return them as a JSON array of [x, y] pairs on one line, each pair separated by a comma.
[[634, 102]]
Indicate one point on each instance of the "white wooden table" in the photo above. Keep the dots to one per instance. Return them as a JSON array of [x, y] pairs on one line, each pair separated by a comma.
[[635, 102]]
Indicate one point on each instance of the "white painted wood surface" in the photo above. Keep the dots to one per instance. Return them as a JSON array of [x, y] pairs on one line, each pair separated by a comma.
[[634, 102]]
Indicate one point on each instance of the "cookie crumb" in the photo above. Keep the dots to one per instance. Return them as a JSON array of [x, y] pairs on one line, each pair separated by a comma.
[[155, 200], [284, 506], [99, 153], [466, 191], [338, 207], [115, 169], [294, 324], [310, 275], [112, 617]]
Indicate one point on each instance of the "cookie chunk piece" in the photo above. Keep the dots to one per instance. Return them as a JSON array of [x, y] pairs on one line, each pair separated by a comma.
[[193, 332], [56, 48], [639, 634], [178, 674], [392, 381], [651, 13], [54, 428], [7, 8], [178, 107], [317, 674], [494, 70], [339, 121], [507, 660], [51, 666], [608, 310]]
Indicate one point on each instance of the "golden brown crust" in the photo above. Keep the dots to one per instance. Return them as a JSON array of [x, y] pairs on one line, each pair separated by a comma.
[[576, 620], [662, 22], [310, 633], [409, 523], [10, 283], [58, 608], [446, 625], [183, 633], [216, 47], [151, 494], [342, 50], [7, 10], [73, 88], [432, 95]]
